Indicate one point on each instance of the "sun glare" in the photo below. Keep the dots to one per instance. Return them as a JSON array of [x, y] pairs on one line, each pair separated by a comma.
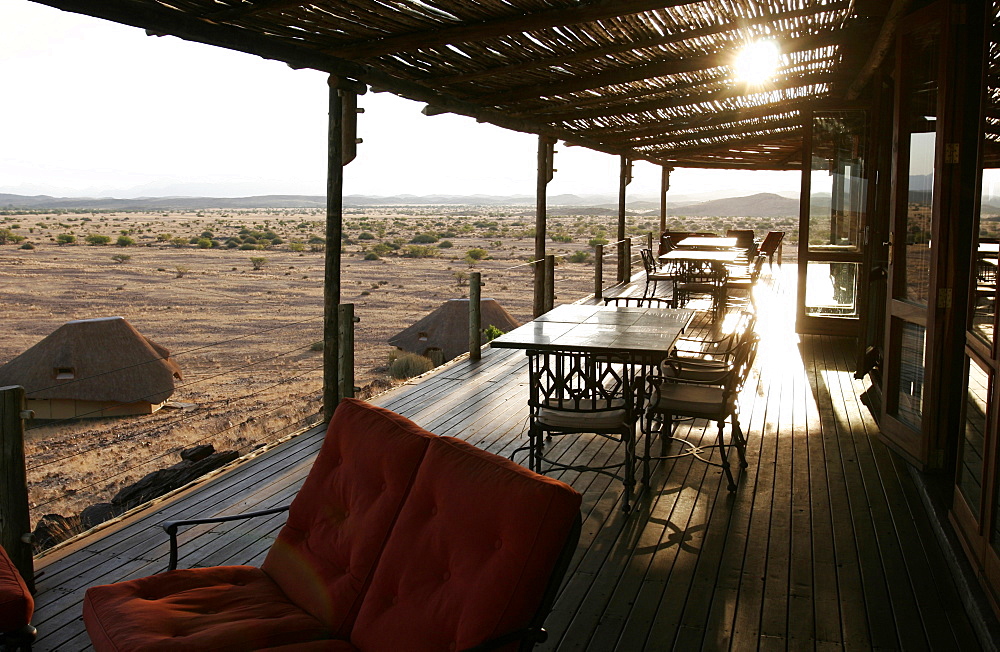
[[757, 62]]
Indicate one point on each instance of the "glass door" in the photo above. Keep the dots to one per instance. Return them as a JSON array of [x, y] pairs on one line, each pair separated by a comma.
[[832, 221], [914, 229]]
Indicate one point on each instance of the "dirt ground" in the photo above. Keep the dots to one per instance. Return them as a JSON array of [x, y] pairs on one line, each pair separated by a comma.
[[243, 336]]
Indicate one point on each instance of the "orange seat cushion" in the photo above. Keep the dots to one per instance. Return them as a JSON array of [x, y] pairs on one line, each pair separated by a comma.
[[224, 608], [16, 603], [471, 553]]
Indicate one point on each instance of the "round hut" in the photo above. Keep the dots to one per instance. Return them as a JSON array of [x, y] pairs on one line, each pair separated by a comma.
[[444, 333], [93, 368]]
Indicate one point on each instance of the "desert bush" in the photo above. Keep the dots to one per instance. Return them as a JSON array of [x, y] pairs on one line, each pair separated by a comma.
[[424, 238], [179, 241], [164, 237], [204, 243], [445, 244], [593, 242], [121, 258], [420, 251], [365, 235], [317, 240], [124, 241], [181, 271], [381, 249], [296, 246], [246, 246], [491, 332], [579, 257], [95, 239], [27, 245], [561, 237], [371, 255], [407, 365], [6, 235], [461, 278], [476, 254], [258, 262]]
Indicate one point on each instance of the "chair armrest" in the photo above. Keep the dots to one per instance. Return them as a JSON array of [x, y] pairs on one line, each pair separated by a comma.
[[170, 527]]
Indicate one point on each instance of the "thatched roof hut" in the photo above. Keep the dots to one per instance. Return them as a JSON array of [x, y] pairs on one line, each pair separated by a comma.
[[444, 333], [93, 367]]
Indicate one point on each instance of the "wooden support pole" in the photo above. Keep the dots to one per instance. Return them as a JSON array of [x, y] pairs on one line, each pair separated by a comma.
[[546, 153], [550, 282], [664, 187], [475, 316], [624, 254], [627, 273], [15, 523], [334, 232], [346, 349], [599, 272]]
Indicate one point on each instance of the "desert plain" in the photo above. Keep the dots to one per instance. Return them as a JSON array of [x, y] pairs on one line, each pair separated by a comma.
[[237, 298]]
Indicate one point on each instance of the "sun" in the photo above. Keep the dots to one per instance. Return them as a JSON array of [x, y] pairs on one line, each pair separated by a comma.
[[757, 63]]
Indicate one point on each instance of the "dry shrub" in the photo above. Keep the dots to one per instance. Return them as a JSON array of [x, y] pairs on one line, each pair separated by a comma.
[[408, 365]]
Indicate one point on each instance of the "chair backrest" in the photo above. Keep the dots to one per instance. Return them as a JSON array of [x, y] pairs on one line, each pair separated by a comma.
[[647, 260], [470, 555], [639, 302], [744, 239], [340, 519], [577, 382], [771, 242]]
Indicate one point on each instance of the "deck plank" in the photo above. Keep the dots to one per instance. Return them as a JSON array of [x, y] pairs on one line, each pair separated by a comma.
[[824, 545]]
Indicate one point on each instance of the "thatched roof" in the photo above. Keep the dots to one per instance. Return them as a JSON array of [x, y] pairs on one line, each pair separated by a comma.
[[447, 328], [103, 359], [647, 79]]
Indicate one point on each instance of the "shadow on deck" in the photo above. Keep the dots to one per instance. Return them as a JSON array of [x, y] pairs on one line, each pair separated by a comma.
[[825, 544]]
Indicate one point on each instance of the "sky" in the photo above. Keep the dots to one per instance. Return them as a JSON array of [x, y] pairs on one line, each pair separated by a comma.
[[93, 108]]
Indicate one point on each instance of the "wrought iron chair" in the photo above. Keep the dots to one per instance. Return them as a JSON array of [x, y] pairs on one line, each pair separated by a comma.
[[746, 282], [582, 393], [654, 274], [692, 389], [707, 279], [745, 241], [639, 302]]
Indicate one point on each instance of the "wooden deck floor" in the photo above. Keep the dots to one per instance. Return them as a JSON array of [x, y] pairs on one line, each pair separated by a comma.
[[825, 544]]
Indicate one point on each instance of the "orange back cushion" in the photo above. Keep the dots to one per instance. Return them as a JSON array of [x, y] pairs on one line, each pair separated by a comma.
[[340, 519], [471, 553]]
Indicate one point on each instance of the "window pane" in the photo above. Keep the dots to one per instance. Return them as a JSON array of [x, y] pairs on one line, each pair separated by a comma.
[[831, 289], [911, 375], [970, 467], [837, 185]]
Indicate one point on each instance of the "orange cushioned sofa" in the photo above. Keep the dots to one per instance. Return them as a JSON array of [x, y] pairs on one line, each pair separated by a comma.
[[398, 540]]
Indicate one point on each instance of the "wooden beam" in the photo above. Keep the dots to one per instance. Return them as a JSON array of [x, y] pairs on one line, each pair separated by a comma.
[[731, 130], [545, 172], [728, 145], [630, 46], [880, 49], [334, 233], [250, 9], [584, 12], [628, 73]]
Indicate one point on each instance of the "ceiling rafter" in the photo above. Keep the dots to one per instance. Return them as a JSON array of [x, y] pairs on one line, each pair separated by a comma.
[[626, 74], [582, 13], [618, 48]]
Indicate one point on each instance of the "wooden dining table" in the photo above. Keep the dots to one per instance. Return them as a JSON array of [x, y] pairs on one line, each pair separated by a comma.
[[707, 242], [643, 335]]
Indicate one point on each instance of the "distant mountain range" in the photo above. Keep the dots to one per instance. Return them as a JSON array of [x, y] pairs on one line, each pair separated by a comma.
[[758, 205]]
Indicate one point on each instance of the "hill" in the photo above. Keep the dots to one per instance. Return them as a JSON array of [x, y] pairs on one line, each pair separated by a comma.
[[760, 205]]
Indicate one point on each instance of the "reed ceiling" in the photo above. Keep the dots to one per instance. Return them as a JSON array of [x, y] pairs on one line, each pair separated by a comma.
[[649, 79]]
